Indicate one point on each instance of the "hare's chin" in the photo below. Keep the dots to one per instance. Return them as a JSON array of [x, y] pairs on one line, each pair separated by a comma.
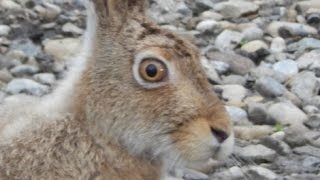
[[225, 149]]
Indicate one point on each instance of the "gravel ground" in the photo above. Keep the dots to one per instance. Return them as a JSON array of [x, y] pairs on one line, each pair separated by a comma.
[[261, 56]]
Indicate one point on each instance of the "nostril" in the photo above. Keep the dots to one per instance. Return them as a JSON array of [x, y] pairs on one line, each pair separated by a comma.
[[219, 134]]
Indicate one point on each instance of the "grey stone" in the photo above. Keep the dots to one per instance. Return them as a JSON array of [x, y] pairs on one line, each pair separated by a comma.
[[257, 153], [304, 44], [45, 78], [295, 135], [305, 5], [269, 87], [259, 172], [288, 29], [305, 85], [5, 76], [235, 8], [23, 70], [228, 40], [10, 5], [238, 64], [279, 146], [27, 86], [211, 15], [2, 96], [313, 122], [207, 26], [287, 67], [210, 71], [238, 116], [252, 33], [26, 46], [307, 150], [221, 67], [286, 113], [264, 71], [309, 59], [234, 79], [258, 114]]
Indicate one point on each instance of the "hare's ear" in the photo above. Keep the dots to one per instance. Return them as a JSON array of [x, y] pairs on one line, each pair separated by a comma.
[[114, 12]]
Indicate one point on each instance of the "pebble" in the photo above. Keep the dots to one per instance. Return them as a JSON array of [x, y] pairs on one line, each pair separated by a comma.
[[256, 153], [269, 87], [5, 76], [233, 94], [304, 45], [309, 59], [10, 5], [23, 70], [252, 33], [252, 132], [71, 28], [45, 78], [237, 115], [235, 8], [259, 172], [62, 49], [26, 46], [228, 40], [258, 114], [238, 64], [279, 146], [234, 79], [211, 15], [289, 29], [27, 86], [210, 71], [305, 85], [286, 114], [221, 67], [278, 45], [307, 150], [4, 30], [254, 46], [289, 68]]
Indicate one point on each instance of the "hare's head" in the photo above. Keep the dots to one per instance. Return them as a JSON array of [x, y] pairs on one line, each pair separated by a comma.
[[146, 89]]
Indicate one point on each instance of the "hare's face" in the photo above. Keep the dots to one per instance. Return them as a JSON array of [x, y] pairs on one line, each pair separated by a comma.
[[147, 90]]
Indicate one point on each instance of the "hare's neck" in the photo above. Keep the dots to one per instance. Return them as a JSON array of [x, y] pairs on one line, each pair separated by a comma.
[[118, 163]]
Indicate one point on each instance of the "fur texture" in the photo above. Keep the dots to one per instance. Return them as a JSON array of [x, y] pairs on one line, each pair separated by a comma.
[[105, 122]]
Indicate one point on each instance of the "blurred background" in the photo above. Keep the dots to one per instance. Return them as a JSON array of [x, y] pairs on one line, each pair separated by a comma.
[[262, 58]]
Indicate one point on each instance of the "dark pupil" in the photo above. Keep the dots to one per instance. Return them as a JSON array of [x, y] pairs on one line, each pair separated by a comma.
[[151, 70]]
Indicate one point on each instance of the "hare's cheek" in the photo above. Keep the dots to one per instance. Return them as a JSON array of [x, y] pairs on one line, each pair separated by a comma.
[[194, 141]]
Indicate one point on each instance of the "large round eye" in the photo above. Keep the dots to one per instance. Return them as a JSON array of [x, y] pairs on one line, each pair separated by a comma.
[[153, 70]]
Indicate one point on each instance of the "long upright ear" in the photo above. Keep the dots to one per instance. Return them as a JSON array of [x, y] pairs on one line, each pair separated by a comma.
[[114, 13]]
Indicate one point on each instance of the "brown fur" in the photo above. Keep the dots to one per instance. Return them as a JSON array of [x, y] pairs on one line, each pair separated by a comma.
[[118, 129]]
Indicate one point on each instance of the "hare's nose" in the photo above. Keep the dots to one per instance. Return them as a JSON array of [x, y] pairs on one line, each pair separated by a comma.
[[219, 134]]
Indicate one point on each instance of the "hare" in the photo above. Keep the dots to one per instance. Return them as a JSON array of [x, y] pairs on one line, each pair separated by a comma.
[[137, 105]]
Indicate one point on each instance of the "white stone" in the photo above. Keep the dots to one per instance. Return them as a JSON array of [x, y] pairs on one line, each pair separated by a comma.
[[254, 46], [62, 49], [71, 28], [207, 25], [4, 30], [278, 45]]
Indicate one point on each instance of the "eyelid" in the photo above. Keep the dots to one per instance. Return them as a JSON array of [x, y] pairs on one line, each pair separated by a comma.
[[151, 55]]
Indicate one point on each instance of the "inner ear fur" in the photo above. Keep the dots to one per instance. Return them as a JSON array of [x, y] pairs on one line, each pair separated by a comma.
[[116, 12]]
